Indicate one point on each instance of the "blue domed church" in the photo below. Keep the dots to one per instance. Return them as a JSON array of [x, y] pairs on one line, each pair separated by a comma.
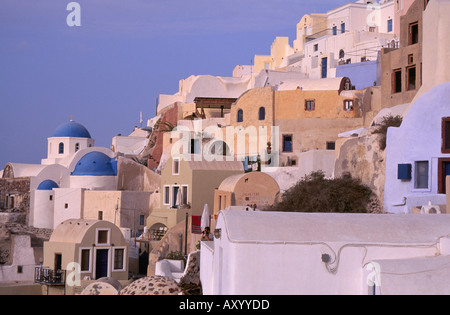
[[68, 139], [80, 181], [72, 166]]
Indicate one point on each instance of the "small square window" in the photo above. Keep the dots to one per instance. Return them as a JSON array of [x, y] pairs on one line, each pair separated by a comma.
[[348, 105], [176, 167], [316, 47], [66, 206], [310, 105], [331, 145], [421, 175], [102, 237], [410, 59]]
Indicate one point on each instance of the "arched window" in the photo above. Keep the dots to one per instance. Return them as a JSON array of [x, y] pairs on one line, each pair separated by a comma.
[[262, 113], [61, 148], [341, 54], [240, 116], [77, 147]]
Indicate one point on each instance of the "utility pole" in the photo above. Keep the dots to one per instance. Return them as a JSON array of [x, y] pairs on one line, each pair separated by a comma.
[[185, 234]]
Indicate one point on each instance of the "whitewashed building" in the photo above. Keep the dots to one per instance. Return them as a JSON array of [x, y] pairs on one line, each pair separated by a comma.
[[72, 168], [418, 154], [277, 253], [355, 33]]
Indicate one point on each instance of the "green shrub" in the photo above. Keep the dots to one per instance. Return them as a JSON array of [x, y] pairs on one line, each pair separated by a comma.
[[315, 193]]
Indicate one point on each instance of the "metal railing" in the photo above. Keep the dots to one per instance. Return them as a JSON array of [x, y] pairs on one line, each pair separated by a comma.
[[50, 277]]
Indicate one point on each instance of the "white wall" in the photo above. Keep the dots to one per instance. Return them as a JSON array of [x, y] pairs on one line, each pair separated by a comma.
[[129, 145], [241, 263], [73, 197], [42, 209], [418, 139], [94, 182], [22, 255], [206, 86], [237, 265]]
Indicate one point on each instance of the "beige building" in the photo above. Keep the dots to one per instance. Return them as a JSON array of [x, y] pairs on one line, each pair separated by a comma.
[[126, 209], [251, 189], [401, 67], [310, 24], [96, 249], [308, 115], [279, 51], [186, 186]]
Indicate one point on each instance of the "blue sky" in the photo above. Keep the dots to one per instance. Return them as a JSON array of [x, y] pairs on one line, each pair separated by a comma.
[[123, 55]]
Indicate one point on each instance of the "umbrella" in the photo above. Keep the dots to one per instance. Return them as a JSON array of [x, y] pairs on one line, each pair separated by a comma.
[[205, 217]]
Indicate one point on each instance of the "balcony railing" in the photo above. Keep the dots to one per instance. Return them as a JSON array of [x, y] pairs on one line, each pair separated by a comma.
[[50, 277]]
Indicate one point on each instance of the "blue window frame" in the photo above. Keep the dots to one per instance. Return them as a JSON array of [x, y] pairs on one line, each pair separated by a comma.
[[389, 26], [334, 30], [324, 67], [262, 113], [287, 143], [342, 28], [240, 116]]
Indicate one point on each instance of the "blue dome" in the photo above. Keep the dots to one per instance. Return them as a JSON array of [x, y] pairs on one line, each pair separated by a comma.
[[95, 164], [47, 185], [73, 130]]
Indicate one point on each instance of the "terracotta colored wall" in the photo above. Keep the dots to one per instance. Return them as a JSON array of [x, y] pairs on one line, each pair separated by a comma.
[[170, 116]]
